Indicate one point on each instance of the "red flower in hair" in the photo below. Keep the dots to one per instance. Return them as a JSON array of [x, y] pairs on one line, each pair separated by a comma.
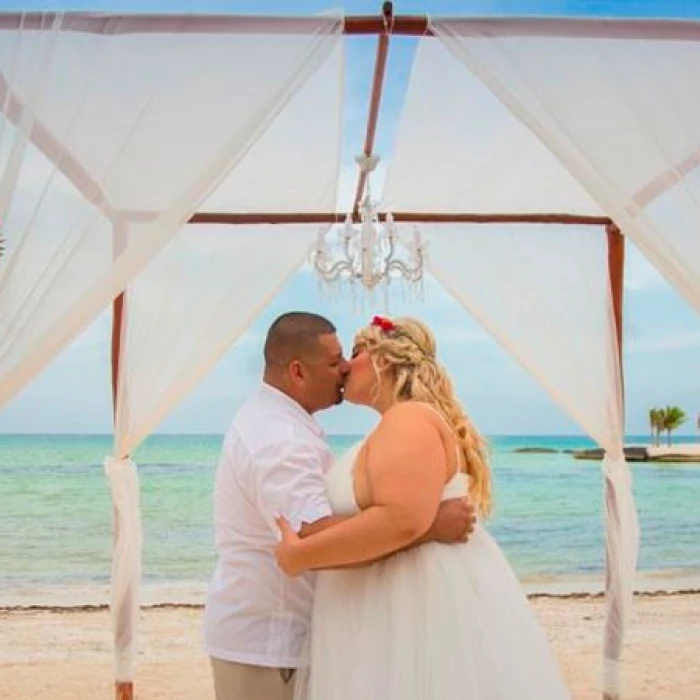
[[385, 324]]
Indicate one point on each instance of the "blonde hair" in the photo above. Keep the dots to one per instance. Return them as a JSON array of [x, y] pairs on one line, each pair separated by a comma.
[[408, 347]]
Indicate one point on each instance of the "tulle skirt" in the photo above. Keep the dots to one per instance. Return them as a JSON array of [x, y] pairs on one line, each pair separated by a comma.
[[434, 623]]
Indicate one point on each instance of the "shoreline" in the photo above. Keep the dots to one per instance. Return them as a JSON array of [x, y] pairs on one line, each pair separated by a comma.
[[104, 607], [680, 453], [191, 594]]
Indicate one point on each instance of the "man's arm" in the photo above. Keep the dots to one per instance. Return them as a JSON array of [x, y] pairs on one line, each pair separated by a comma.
[[454, 523], [322, 524], [290, 482]]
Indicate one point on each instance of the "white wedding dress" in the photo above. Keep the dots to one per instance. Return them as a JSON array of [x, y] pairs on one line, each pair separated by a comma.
[[437, 622]]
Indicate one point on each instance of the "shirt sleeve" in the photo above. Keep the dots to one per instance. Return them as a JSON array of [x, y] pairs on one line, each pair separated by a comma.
[[290, 483]]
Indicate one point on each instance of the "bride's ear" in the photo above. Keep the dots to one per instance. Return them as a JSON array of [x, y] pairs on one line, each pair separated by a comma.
[[382, 364]]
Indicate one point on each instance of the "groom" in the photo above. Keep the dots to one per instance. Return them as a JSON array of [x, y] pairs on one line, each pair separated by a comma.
[[273, 462]]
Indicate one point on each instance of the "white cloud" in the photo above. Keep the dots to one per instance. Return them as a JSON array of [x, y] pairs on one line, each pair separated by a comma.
[[456, 335], [249, 338], [640, 275], [665, 341]]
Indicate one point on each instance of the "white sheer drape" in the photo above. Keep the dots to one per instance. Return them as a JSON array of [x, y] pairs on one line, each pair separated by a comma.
[[110, 138], [187, 308], [125, 603], [458, 149], [294, 165], [193, 300], [543, 292], [618, 104], [621, 558], [198, 295], [129, 128]]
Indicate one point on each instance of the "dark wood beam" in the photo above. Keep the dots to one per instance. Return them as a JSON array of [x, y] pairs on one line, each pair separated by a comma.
[[573, 28], [406, 25], [616, 271], [118, 317], [117, 322], [403, 25], [399, 217], [124, 23], [375, 98]]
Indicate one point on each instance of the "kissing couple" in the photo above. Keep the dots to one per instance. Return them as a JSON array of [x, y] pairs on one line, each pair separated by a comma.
[[369, 577]]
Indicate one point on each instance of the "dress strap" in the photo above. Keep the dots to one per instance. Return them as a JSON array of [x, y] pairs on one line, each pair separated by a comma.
[[458, 452]]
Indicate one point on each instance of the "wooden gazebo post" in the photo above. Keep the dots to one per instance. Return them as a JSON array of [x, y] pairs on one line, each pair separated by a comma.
[[612, 647], [123, 690], [616, 270]]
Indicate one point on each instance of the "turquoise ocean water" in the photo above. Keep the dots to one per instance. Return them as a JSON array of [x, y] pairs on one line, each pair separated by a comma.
[[55, 510]]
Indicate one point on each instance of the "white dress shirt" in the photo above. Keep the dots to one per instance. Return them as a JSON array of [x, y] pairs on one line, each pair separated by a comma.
[[273, 463]]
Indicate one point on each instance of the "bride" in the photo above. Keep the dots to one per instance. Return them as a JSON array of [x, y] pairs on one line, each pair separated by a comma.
[[432, 622]]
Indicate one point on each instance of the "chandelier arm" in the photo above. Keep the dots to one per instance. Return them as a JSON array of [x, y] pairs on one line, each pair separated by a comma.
[[392, 249], [320, 262], [347, 240], [404, 268], [330, 274], [366, 254]]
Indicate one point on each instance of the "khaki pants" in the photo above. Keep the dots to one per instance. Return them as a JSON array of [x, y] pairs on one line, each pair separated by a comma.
[[234, 681]]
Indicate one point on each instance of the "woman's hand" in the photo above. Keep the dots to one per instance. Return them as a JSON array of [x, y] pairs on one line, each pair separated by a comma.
[[287, 551]]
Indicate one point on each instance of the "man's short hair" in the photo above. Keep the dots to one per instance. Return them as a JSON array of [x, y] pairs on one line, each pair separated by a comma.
[[294, 335]]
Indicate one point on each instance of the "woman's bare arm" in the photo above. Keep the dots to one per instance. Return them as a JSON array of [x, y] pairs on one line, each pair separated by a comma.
[[407, 469]]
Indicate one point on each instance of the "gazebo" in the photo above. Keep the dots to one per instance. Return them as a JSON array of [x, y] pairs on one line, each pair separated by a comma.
[[181, 166]]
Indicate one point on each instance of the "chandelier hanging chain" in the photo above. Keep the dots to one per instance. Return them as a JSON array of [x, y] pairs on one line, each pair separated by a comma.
[[367, 253]]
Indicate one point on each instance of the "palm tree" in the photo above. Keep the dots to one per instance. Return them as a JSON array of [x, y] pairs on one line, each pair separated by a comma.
[[655, 424], [673, 418]]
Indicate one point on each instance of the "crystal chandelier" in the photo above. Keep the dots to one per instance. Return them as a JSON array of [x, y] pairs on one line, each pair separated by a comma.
[[371, 254]]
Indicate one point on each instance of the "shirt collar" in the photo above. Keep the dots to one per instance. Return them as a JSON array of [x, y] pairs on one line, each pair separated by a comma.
[[270, 393]]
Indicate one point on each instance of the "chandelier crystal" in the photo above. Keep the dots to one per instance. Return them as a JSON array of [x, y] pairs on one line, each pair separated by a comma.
[[370, 254]]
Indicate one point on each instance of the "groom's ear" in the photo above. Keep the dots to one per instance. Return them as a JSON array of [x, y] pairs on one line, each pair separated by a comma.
[[297, 371]]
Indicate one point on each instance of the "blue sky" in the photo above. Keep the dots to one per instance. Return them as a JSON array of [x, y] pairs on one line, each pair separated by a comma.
[[662, 354]]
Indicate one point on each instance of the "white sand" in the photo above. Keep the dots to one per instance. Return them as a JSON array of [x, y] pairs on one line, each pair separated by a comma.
[[679, 450], [67, 655]]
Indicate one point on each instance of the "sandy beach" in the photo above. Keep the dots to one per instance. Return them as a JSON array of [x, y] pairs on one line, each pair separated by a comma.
[[66, 654], [689, 452]]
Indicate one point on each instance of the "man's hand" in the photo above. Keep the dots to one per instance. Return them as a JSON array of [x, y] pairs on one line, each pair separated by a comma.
[[453, 523], [287, 550]]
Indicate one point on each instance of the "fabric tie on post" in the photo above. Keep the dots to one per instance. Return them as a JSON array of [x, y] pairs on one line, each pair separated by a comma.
[[622, 550], [126, 563]]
